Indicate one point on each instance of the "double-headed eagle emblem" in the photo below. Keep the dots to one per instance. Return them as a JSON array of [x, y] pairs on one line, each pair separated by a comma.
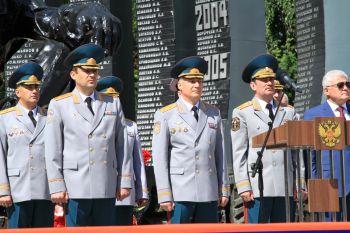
[[329, 132]]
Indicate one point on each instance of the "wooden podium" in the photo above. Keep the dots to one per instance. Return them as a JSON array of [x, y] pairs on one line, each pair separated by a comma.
[[323, 133]]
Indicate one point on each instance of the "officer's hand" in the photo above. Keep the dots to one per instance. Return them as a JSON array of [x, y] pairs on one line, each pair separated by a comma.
[[167, 206], [142, 202], [223, 201], [303, 195], [122, 193], [6, 201], [77, 24], [247, 196], [59, 198]]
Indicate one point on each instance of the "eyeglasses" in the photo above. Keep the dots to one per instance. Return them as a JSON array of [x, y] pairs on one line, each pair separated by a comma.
[[341, 85]]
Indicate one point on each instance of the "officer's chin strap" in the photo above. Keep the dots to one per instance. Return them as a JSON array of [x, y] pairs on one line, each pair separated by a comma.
[[257, 167]]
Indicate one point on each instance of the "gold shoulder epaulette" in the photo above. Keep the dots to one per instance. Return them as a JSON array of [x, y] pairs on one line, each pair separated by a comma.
[[290, 106], [7, 110], [61, 97], [244, 105], [168, 107]]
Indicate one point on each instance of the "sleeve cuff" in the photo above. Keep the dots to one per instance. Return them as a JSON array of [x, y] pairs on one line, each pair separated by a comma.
[[164, 195]]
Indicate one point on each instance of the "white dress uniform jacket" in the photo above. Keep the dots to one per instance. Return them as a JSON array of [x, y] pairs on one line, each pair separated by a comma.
[[189, 158], [249, 120], [22, 156], [139, 186], [86, 154]]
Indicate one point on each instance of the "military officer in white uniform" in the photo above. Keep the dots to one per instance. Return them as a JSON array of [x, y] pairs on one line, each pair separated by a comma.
[[250, 119], [113, 86], [188, 152], [86, 153], [23, 180]]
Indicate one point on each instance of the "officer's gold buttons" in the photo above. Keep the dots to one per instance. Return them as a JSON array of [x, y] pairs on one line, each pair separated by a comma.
[[31, 156], [104, 135], [104, 162], [91, 149], [210, 170], [30, 145], [274, 163], [90, 136], [197, 157], [197, 171], [209, 156], [91, 162]]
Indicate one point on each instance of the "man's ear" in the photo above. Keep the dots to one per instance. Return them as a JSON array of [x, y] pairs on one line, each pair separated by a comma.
[[17, 92], [252, 85], [72, 74], [325, 91], [179, 84]]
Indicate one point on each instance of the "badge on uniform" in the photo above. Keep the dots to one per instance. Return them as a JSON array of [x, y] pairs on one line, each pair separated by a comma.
[[130, 134], [15, 131], [212, 125], [156, 127], [110, 113], [236, 124]]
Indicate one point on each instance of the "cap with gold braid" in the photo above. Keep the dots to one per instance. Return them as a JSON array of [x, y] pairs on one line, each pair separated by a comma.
[[278, 85], [87, 56], [27, 74], [189, 67], [110, 85], [262, 66]]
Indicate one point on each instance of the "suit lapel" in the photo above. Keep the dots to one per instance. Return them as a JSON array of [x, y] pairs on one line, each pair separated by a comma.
[[202, 120], [81, 107], [348, 108], [327, 110], [40, 124], [259, 112], [186, 115], [100, 107], [24, 118]]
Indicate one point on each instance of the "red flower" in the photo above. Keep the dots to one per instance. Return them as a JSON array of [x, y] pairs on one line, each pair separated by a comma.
[[59, 218], [147, 157]]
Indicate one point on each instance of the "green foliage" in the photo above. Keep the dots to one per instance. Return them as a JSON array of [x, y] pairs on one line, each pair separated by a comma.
[[135, 48], [281, 34]]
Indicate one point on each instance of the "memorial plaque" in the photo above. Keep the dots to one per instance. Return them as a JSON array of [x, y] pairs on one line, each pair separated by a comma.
[[156, 36], [213, 44], [27, 52], [311, 53]]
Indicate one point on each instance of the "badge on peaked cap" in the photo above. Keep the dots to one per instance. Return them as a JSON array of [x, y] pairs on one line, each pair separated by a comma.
[[86, 56], [278, 85], [28, 74], [189, 67], [110, 85], [262, 66]]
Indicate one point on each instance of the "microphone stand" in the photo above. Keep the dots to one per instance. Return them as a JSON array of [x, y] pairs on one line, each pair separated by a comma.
[[257, 167]]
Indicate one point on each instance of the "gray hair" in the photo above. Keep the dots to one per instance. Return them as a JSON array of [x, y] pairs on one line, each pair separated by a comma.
[[328, 77]]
